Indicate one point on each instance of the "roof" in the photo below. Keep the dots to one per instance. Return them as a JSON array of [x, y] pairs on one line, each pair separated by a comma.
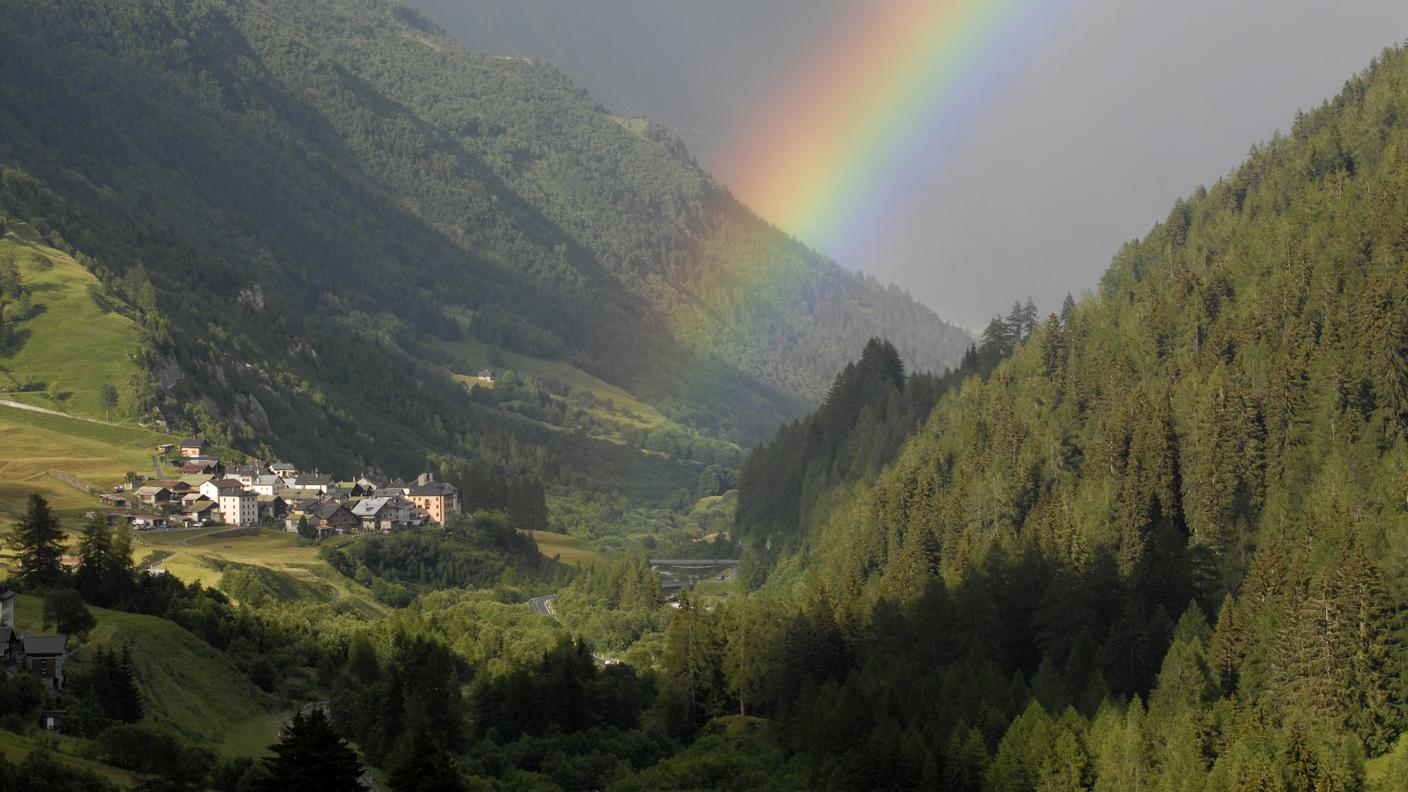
[[282, 466], [370, 507], [307, 480], [194, 442], [267, 481], [327, 511], [150, 489], [434, 489], [45, 644]]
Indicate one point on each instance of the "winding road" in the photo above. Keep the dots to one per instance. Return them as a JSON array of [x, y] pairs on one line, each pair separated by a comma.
[[543, 605]]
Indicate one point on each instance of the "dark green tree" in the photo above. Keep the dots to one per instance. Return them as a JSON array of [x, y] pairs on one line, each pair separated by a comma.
[[64, 610], [107, 396], [311, 756], [38, 543]]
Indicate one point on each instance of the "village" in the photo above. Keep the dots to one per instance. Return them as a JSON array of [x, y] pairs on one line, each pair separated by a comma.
[[278, 495]]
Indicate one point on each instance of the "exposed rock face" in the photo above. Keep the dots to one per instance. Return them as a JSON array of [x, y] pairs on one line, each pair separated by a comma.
[[251, 298]]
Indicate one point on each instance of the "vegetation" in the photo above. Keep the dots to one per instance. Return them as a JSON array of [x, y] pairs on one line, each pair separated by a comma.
[[1161, 542], [467, 207], [1154, 541]]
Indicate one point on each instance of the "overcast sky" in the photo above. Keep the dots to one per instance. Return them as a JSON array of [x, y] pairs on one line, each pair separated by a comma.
[[1123, 106]]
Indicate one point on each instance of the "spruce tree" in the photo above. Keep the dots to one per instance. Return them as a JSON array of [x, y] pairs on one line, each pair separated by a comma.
[[38, 543], [128, 698], [94, 550], [311, 757]]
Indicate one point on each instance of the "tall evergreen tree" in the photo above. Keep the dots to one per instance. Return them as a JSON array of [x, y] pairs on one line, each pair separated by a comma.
[[311, 756], [38, 543]]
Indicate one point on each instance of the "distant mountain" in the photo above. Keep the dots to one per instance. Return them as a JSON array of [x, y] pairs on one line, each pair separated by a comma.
[[693, 66], [330, 217]]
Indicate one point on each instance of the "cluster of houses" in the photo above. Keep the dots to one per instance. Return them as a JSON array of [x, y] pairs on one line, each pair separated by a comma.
[[41, 655], [209, 493]]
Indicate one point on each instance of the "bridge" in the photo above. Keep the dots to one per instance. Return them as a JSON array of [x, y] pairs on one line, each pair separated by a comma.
[[694, 563]]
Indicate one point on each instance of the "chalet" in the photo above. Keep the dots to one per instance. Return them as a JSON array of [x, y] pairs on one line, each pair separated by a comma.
[[440, 501], [272, 507], [268, 485], [44, 656], [51, 720], [301, 494], [199, 512], [204, 468], [245, 474], [485, 376], [152, 495], [319, 482], [178, 488], [327, 516], [115, 501], [383, 514], [284, 470], [194, 447], [194, 480], [165, 448], [368, 484]]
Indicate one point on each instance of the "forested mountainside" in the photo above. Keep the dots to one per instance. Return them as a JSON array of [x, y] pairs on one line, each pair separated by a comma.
[[1164, 544], [325, 211]]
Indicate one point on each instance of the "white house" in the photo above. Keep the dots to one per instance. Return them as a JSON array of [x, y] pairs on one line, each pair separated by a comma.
[[237, 505], [269, 485]]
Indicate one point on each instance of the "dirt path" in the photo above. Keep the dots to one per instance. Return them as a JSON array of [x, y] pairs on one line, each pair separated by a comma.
[[47, 411]]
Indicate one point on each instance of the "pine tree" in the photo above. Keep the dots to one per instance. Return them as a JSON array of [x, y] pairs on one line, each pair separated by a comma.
[[311, 757], [1227, 647], [38, 543], [128, 698]]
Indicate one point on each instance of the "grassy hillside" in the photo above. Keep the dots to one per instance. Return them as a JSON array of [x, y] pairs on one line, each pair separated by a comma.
[[98, 454], [284, 567], [74, 342], [186, 685]]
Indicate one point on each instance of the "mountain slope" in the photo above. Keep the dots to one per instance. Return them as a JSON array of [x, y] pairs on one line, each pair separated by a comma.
[[316, 194], [1189, 495]]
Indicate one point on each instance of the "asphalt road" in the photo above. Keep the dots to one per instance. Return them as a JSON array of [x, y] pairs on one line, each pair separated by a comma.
[[543, 605]]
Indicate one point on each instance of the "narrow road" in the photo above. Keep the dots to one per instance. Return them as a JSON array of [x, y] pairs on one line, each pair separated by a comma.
[[543, 605], [156, 465]]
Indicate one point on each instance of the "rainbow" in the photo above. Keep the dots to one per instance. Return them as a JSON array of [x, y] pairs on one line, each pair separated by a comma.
[[842, 143]]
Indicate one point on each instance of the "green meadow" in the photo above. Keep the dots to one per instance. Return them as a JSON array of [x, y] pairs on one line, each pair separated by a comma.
[[284, 566], [73, 343], [570, 549], [32, 444]]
